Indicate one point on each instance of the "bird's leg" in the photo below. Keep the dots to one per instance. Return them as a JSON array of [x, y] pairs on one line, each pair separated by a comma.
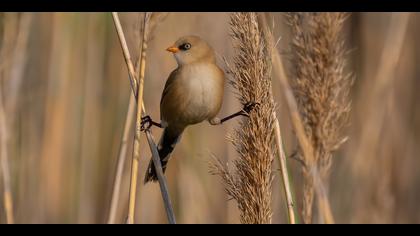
[[147, 122], [244, 112]]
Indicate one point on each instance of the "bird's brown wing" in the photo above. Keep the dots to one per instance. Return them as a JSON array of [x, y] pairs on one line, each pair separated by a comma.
[[168, 84]]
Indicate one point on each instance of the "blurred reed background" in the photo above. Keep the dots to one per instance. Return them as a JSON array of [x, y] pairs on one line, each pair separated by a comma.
[[64, 94]]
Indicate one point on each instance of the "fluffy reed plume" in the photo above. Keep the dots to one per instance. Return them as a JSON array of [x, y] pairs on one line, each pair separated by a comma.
[[250, 184], [321, 87]]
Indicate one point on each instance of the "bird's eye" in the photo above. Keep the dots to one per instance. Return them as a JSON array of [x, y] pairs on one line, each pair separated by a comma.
[[185, 46]]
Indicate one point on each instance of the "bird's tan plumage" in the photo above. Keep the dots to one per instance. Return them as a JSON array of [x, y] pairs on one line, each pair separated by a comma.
[[193, 93]]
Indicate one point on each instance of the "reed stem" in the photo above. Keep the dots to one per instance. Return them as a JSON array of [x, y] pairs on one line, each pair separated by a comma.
[[137, 89], [4, 164], [284, 172], [122, 156]]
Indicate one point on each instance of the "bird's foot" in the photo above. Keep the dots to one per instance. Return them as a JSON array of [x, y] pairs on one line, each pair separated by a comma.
[[146, 123], [248, 107]]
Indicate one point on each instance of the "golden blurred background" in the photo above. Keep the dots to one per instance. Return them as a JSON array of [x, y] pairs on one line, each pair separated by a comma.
[[65, 90]]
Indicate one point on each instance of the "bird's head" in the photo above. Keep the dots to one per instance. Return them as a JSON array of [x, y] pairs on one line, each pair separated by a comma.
[[190, 49]]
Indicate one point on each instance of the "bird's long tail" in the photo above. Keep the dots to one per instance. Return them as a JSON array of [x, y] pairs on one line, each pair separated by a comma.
[[166, 145]]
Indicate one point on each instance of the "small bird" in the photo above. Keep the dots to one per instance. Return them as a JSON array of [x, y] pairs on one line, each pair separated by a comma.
[[193, 93]]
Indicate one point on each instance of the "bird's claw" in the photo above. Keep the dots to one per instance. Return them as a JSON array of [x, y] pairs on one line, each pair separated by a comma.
[[248, 107], [146, 123]]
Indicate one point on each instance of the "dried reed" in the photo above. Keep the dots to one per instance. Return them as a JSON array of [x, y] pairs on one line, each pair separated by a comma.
[[377, 197], [300, 134], [155, 19], [322, 89], [251, 183], [136, 147], [122, 154], [284, 171], [298, 126], [389, 59], [13, 61], [8, 28], [137, 87], [4, 163]]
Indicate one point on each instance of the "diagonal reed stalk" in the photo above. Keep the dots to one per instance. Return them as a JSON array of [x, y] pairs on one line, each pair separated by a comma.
[[126, 53], [137, 88], [139, 99], [122, 156], [284, 171]]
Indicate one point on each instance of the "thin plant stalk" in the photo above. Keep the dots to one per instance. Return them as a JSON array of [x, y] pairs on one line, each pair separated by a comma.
[[136, 147], [4, 163], [122, 156], [139, 99], [126, 52], [138, 90], [279, 143], [284, 172], [128, 121]]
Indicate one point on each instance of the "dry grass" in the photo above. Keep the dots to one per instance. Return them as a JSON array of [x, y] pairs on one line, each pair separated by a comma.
[[15, 33], [322, 89], [6, 49], [287, 185], [136, 147], [150, 21], [298, 127], [4, 164], [154, 20], [122, 156], [251, 183], [137, 86], [379, 133], [65, 99]]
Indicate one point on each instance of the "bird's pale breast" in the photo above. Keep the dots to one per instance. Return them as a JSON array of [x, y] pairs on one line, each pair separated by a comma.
[[195, 95]]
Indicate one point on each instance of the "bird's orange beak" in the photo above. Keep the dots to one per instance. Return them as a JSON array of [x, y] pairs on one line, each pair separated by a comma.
[[173, 49]]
